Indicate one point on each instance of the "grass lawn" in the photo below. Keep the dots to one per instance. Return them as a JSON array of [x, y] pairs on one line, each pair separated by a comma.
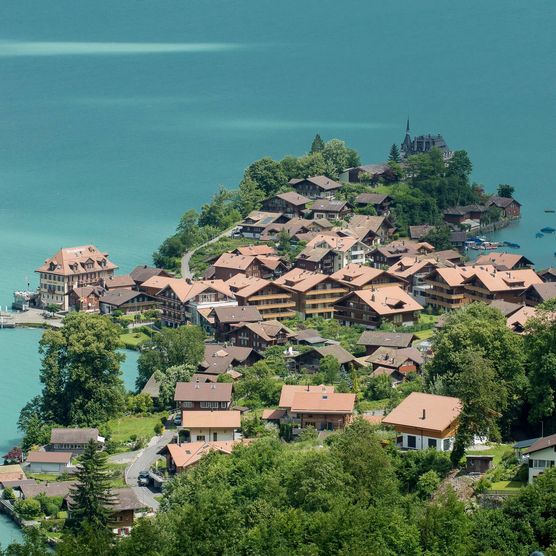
[[497, 450], [369, 406], [47, 477], [132, 340], [507, 485], [117, 474], [124, 427], [424, 334], [428, 319]]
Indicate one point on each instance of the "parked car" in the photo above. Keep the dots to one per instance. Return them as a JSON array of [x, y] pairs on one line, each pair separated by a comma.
[[143, 479]]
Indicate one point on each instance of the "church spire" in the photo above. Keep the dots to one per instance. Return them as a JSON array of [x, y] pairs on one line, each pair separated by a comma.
[[407, 127]]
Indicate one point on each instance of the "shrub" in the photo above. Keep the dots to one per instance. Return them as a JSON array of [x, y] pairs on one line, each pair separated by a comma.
[[158, 429], [8, 494], [308, 433], [28, 509], [428, 483]]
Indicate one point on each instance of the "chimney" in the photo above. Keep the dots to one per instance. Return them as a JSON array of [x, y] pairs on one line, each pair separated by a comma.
[[424, 416], [197, 387], [213, 386]]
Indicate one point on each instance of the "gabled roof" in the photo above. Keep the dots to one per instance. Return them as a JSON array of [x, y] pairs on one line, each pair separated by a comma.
[[337, 243], [503, 261], [499, 281], [546, 290], [502, 202], [142, 273], [70, 261], [547, 272], [117, 298], [326, 184], [260, 218], [293, 198], [314, 254], [301, 280], [388, 300], [343, 356], [125, 499], [387, 339], [289, 390], [152, 387], [185, 291], [425, 411], [418, 232], [407, 267], [393, 357], [254, 250], [541, 444], [237, 314], [122, 281], [322, 402], [188, 454], [517, 321], [203, 392], [218, 358], [158, 282], [267, 330], [40, 456], [361, 224], [358, 275], [228, 419], [371, 198], [505, 307], [329, 205], [61, 488], [73, 436]]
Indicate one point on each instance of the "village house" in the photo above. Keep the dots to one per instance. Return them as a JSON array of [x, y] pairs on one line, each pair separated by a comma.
[[380, 203], [447, 287], [357, 276], [73, 440], [505, 307], [509, 207], [185, 301], [127, 301], [196, 396], [417, 233], [504, 261], [371, 230], [289, 203], [256, 221], [293, 228], [141, 274], [69, 268], [260, 266], [155, 284], [369, 308], [315, 294], [152, 389], [404, 360], [182, 457], [424, 421], [259, 335], [390, 254], [316, 187], [214, 425], [272, 300], [370, 172], [516, 321], [330, 209], [461, 214], [225, 318], [372, 340], [85, 298], [124, 510], [221, 359], [55, 463], [310, 360], [541, 456], [548, 274], [316, 259], [539, 293], [309, 337], [313, 406]]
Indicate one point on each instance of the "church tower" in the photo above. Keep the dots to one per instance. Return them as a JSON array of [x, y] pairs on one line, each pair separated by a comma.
[[406, 145]]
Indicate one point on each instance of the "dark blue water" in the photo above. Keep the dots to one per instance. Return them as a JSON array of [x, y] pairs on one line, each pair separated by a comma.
[[117, 116]]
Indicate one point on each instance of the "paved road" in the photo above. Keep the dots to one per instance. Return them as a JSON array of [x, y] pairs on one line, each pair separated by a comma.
[[185, 270], [145, 458]]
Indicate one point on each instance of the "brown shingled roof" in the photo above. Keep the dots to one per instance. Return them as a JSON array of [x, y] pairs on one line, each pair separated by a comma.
[[203, 391]]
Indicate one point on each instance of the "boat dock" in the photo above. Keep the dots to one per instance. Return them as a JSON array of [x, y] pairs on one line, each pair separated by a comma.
[[31, 317]]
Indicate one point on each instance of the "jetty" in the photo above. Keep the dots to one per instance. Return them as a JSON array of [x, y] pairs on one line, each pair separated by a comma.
[[29, 318]]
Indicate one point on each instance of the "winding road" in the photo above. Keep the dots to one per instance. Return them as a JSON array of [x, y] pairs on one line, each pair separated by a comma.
[[185, 270]]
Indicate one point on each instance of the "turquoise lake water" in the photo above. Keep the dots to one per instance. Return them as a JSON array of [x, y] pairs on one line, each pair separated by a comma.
[[116, 117]]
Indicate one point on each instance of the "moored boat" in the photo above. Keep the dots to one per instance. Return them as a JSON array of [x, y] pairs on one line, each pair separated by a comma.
[[539, 234], [548, 230]]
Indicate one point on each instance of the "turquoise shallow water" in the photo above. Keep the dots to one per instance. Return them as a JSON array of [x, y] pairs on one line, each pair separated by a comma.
[[116, 117]]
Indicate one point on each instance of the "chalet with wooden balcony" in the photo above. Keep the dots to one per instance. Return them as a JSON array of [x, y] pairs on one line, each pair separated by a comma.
[[372, 340], [510, 207], [312, 406], [310, 360], [371, 230], [197, 396], [403, 360], [185, 302], [548, 274], [314, 293], [390, 254], [330, 253], [316, 187], [504, 261], [447, 286], [369, 308], [330, 209], [256, 221], [221, 359], [272, 300], [380, 203], [225, 318], [539, 293], [259, 266], [259, 335], [289, 203]]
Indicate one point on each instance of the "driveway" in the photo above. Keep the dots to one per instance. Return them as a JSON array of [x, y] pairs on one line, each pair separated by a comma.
[[143, 461]]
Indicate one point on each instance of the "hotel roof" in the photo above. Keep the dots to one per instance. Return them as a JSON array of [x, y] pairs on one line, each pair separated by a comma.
[[70, 261]]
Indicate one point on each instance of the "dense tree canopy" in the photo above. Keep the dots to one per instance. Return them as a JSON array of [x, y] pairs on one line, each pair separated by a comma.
[[80, 372], [170, 347]]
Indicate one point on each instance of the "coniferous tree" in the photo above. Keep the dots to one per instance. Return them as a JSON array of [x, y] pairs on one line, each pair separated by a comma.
[[317, 145], [91, 496], [394, 155]]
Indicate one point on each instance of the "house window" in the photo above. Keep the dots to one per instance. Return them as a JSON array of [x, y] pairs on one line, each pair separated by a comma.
[[432, 443], [411, 441], [187, 404], [215, 436], [200, 437], [446, 444], [209, 405]]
